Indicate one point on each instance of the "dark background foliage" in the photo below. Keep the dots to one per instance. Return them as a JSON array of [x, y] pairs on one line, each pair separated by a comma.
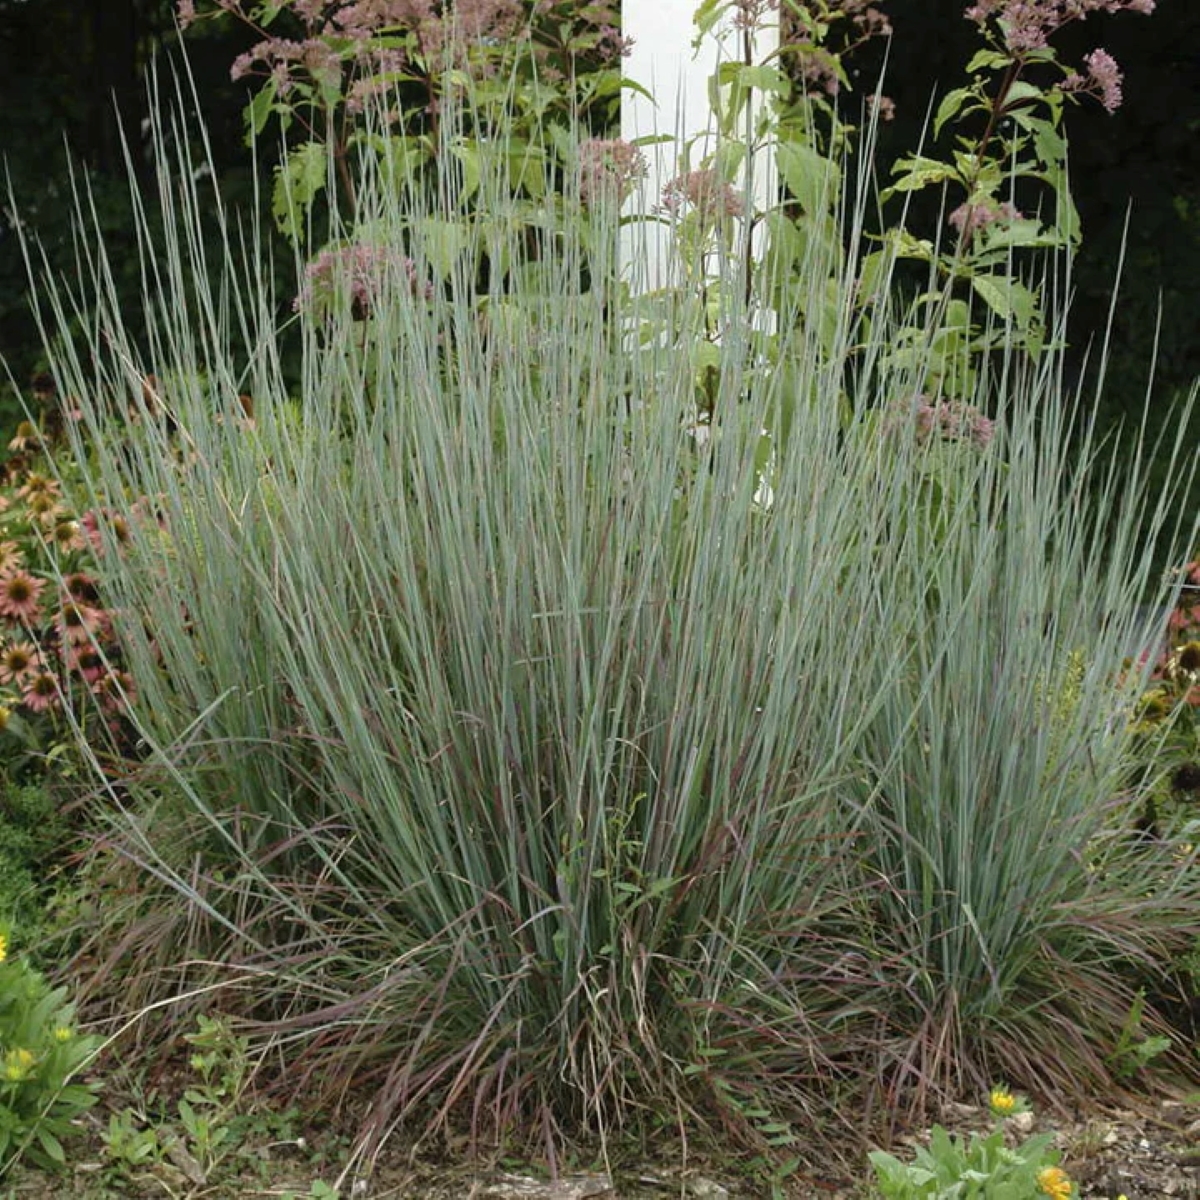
[[72, 75], [1143, 161]]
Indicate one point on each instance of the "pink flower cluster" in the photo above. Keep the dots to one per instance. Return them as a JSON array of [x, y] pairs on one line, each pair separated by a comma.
[[354, 47], [362, 273], [1029, 24], [1103, 80], [359, 36], [970, 217], [943, 420], [705, 193], [817, 64], [608, 170]]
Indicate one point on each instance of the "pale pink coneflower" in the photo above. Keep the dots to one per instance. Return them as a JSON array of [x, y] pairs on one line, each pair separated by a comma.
[[87, 662], [37, 484], [41, 692], [93, 523], [26, 438], [80, 624], [20, 594], [17, 661], [82, 587], [67, 537]]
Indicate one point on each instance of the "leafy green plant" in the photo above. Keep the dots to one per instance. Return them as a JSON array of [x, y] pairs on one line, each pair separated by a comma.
[[129, 1146], [209, 1132], [564, 59], [41, 1052], [1007, 148], [1136, 1049], [983, 1167]]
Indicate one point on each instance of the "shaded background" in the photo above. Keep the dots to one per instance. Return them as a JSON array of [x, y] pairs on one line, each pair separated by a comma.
[[72, 74], [1143, 161]]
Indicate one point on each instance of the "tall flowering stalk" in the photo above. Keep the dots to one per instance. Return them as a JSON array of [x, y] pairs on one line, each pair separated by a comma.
[[1009, 146]]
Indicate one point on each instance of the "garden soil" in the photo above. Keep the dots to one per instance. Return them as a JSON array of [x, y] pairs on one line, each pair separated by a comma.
[[1148, 1153]]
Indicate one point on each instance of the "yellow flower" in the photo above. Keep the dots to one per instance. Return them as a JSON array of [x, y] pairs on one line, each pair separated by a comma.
[[1002, 1101], [17, 1064], [63, 1034], [3, 946], [1054, 1183]]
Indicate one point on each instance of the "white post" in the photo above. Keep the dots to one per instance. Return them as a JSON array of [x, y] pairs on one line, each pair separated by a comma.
[[664, 62]]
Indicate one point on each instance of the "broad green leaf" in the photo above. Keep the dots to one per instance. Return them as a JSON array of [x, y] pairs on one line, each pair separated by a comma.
[[908, 246], [298, 181], [705, 18], [1021, 95], [1066, 215], [808, 175], [764, 78], [1007, 298], [729, 158], [443, 242], [467, 154], [259, 109], [987, 60], [918, 172], [952, 104]]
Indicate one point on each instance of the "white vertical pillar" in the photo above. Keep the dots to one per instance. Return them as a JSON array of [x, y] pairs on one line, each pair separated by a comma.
[[678, 77]]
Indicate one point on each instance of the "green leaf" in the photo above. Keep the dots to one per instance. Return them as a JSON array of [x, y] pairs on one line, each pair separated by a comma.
[[918, 172], [1020, 96], [298, 181], [705, 19], [1007, 298], [809, 176], [988, 60], [50, 1144], [764, 78], [951, 105], [467, 154], [1066, 215], [259, 109], [443, 242]]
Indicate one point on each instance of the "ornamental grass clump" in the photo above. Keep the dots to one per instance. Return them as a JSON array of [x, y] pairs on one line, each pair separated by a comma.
[[549, 767]]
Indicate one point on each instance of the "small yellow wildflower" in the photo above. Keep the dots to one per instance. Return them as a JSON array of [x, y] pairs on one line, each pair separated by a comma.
[[17, 1064], [1054, 1183], [1002, 1101], [3, 946], [63, 1034]]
